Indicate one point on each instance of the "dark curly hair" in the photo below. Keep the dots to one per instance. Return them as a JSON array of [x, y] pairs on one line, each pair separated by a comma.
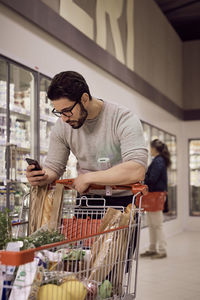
[[162, 149], [69, 85]]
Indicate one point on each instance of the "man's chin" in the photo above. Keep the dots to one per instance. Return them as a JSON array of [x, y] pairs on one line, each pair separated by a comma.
[[75, 125]]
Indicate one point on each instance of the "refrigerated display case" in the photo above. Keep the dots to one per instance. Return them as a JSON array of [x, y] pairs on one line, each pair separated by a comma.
[[194, 177], [17, 88], [3, 118], [151, 133], [47, 119], [170, 141], [21, 120]]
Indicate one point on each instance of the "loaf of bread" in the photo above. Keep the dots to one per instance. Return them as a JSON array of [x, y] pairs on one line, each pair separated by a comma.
[[128, 209], [47, 208]]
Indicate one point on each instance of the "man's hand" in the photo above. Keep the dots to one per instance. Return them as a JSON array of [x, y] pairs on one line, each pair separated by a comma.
[[81, 183], [36, 177]]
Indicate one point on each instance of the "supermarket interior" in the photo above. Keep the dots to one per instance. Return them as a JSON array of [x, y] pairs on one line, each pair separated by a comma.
[[141, 54]]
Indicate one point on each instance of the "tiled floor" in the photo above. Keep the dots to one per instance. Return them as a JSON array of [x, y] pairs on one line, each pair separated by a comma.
[[176, 277]]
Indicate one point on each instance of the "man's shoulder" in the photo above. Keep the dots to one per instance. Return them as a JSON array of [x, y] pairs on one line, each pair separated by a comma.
[[115, 105], [119, 109]]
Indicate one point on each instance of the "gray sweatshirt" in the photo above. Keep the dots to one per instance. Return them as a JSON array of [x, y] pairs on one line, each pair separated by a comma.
[[116, 133]]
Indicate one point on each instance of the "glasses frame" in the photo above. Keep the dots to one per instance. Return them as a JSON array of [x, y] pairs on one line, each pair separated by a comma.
[[65, 111]]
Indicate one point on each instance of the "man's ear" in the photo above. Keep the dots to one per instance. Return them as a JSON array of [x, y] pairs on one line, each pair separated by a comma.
[[85, 98]]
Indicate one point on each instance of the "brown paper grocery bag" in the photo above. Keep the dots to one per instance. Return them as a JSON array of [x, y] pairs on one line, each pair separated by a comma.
[[45, 207], [37, 197]]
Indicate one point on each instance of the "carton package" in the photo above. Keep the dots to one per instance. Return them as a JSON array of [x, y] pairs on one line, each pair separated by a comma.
[[27, 281]]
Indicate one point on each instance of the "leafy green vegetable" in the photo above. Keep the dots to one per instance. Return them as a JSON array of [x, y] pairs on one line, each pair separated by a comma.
[[5, 228], [42, 238], [105, 290], [74, 255], [37, 239]]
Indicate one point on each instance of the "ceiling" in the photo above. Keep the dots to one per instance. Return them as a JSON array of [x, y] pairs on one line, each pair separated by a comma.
[[184, 16]]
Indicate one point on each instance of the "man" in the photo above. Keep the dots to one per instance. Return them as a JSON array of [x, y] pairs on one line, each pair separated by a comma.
[[91, 128]]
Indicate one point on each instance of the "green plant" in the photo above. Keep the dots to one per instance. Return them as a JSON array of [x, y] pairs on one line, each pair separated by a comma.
[[41, 238], [5, 228]]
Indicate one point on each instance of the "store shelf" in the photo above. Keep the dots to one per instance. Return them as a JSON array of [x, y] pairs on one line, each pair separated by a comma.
[[47, 118], [43, 152], [23, 149], [18, 111], [3, 108], [2, 180], [22, 180]]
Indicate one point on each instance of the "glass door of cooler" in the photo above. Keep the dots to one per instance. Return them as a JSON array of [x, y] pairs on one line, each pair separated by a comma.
[[21, 130], [151, 133], [194, 176], [21, 120], [170, 141], [3, 119], [3, 132], [47, 119], [16, 96]]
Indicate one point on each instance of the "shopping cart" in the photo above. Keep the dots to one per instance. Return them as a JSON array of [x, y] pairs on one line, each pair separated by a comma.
[[97, 260]]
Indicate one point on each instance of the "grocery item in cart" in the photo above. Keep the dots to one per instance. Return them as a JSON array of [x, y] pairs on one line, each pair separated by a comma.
[[27, 281], [110, 248], [45, 207], [105, 289], [70, 289]]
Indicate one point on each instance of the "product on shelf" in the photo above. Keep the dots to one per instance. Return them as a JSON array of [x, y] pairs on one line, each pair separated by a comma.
[[3, 163], [3, 198], [3, 96], [20, 132], [20, 101]]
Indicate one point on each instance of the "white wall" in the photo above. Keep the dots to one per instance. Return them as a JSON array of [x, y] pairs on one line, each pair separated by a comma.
[[158, 50], [25, 43]]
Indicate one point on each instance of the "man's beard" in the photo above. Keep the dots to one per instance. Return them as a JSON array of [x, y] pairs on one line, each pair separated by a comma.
[[81, 120]]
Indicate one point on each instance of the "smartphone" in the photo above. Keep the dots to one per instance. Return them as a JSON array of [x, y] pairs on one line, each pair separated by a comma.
[[35, 163]]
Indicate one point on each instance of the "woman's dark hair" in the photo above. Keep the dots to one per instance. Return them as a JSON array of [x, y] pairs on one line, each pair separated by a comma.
[[69, 85], [162, 149]]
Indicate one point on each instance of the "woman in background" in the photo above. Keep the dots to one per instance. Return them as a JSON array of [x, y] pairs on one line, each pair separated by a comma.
[[156, 179]]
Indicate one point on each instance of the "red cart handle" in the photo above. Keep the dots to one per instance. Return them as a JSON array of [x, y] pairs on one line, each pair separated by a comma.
[[135, 187]]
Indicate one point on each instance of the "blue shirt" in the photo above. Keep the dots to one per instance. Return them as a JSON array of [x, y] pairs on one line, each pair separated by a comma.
[[156, 176]]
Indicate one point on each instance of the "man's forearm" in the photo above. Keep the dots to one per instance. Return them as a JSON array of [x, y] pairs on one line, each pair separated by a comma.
[[124, 173], [52, 176]]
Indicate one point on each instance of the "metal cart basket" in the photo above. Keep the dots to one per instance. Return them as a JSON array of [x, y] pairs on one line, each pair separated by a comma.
[[98, 259]]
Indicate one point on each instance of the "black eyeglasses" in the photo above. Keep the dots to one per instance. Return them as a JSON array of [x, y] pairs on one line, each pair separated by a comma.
[[65, 111]]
